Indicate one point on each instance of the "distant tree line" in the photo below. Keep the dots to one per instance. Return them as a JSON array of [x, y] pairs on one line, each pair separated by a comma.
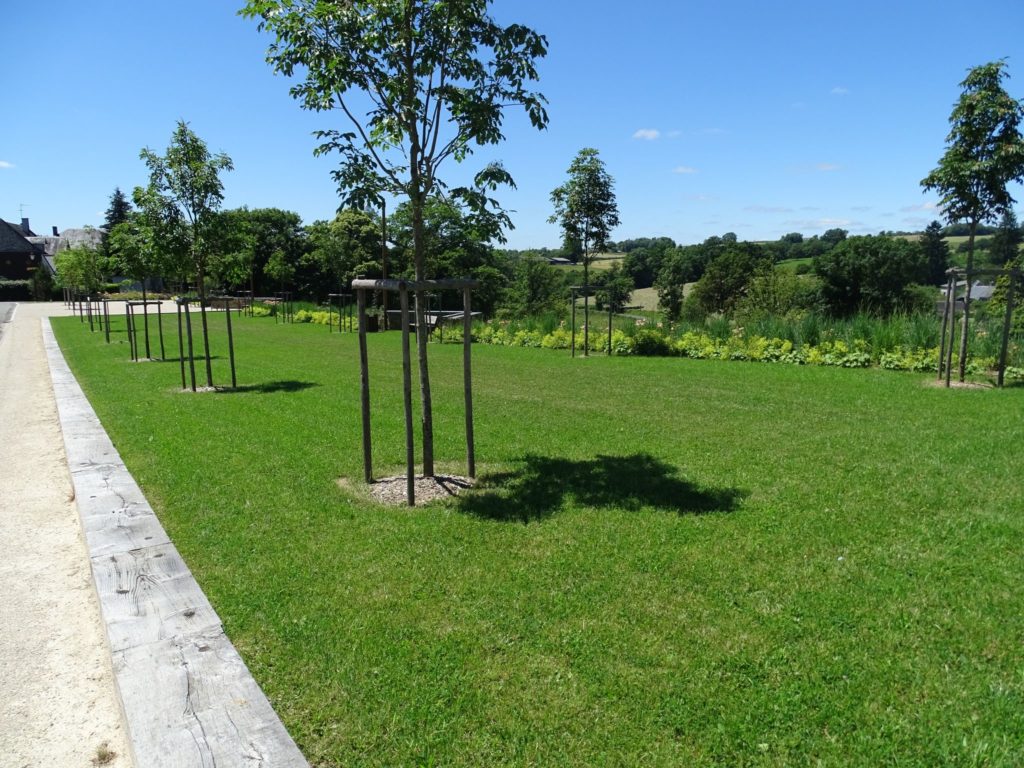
[[266, 250]]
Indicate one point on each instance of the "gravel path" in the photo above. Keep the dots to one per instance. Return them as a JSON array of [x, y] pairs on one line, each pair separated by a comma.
[[59, 706]]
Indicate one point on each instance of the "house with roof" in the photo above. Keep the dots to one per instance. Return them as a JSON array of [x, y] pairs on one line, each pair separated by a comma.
[[19, 256], [22, 251]]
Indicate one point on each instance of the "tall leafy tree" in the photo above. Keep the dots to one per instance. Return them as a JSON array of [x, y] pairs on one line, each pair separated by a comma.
[[186, 183], [1006, 242], [117, 213], [871, 274], [345, 247], [936, 253], [615, 286], [534, 288], [247, 238], [436, 77], [586, 209], [984, 153], [723, 282]]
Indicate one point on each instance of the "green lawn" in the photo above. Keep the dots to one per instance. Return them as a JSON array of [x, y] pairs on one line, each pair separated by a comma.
[[671, 562]]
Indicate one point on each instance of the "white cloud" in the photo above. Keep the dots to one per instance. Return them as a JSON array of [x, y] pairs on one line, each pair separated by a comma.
[[768, 209], [861, 208], [824, 223], [647, 134], [684, 169], [827, 167], [840, 91], [923, 208], [5, 164], [673, 134]]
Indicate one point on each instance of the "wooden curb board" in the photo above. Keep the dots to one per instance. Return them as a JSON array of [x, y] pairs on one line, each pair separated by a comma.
[[187, 697]]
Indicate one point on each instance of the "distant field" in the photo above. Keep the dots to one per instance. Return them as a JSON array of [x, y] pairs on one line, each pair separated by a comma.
[[790, 265], [645, 298], [606, 260]]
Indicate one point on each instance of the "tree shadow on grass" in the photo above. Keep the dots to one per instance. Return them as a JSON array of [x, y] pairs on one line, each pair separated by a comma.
[[269, 387], [544, 484]]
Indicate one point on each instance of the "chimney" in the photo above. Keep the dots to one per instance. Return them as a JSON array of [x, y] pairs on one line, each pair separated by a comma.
[[55, 232], [25, 228]]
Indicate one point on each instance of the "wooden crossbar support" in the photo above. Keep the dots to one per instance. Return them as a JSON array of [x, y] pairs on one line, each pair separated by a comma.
[[413, 285]]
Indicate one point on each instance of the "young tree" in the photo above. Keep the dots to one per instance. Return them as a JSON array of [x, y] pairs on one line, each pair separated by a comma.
[[437, 75], [186, 185], [79, 268], [984, 153], [586, 210]]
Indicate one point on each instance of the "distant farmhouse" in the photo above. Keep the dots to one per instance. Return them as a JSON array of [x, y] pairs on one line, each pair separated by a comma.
[[22, 251]]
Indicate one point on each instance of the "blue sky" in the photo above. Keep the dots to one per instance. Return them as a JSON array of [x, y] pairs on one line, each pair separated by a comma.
[[759, 118]]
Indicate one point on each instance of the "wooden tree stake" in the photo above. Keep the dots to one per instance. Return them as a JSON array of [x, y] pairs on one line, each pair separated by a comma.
[[410, 445], [467, 376], [1007, 319], [946, 308], [364, 383]]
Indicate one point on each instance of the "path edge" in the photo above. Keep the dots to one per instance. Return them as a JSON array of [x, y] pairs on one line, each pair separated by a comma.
[[186, 696]]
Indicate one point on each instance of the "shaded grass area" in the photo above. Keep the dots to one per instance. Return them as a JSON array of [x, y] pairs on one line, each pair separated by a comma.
[[669, 562]]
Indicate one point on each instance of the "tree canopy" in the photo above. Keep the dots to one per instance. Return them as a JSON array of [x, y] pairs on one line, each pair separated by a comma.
[[984, 152], [585, 205], [936, 254], [117, 213], [871, 274], [438, 77], [186, 190]]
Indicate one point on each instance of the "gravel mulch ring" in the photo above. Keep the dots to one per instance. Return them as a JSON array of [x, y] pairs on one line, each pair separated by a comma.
[[958, 384], [391, 490]]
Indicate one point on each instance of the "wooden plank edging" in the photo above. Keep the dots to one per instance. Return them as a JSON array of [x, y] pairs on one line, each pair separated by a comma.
[[187, 697]]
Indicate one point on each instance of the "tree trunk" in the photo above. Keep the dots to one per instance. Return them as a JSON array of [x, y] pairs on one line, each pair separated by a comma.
[[962, 372], [384, 259], [422, 332]]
